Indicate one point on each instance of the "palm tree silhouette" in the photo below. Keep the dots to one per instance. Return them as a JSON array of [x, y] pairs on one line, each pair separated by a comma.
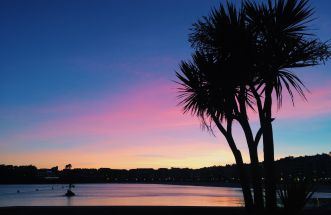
[[283, 42], [210, 103], [242, 58], [213, 86]]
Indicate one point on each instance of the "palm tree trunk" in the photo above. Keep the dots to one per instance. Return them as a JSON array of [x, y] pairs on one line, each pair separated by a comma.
[[252, 146], [243, 176], [254, 165], [257, 180], [270, 182], [268, 145], [268, 148]]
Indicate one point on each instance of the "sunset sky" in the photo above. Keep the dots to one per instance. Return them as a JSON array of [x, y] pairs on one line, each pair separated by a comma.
[[91, 83]]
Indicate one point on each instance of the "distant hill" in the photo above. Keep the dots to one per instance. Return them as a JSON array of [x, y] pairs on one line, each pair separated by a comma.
[[316, 167]]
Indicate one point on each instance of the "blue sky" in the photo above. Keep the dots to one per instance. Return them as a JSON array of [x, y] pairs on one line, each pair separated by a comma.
[[100, 73]]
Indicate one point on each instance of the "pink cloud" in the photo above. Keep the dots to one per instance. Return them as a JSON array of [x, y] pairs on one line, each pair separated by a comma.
[[136, 127], [318, 103], [143, 109]]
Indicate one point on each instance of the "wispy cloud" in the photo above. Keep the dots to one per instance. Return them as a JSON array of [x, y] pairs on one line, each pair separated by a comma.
[[318, 104], [139, 127]]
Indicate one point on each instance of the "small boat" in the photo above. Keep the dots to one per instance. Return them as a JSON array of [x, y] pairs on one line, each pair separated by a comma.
[[69, 193]]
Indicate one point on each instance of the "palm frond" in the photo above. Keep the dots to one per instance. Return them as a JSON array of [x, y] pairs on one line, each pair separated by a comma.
[[284, 42], [205, 92]]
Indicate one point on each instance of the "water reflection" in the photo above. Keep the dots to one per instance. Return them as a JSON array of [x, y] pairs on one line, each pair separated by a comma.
[[120, 194], [69, 201]]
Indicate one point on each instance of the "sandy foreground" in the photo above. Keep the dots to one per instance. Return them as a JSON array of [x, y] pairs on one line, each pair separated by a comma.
[[144, 210]]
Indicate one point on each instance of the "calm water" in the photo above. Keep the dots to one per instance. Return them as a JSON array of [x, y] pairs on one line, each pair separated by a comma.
[[119, 194], [122, 194]]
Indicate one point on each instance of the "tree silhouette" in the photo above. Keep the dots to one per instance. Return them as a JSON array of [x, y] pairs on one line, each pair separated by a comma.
[[68, 166], [213, 85], [284, 42], [243, 57], [211, 104]]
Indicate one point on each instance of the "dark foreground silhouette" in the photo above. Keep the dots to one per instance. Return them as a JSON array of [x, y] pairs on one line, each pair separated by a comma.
[[316, 167], [120, 210]]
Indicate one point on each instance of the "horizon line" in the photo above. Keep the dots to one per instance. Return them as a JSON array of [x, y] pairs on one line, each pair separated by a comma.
[[157, 168]]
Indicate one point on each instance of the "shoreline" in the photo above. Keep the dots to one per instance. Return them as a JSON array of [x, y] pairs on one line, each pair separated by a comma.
[[324, 188]]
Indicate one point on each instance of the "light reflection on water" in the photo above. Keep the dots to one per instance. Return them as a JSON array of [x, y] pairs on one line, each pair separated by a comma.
[[120, 194], [123, 194]]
